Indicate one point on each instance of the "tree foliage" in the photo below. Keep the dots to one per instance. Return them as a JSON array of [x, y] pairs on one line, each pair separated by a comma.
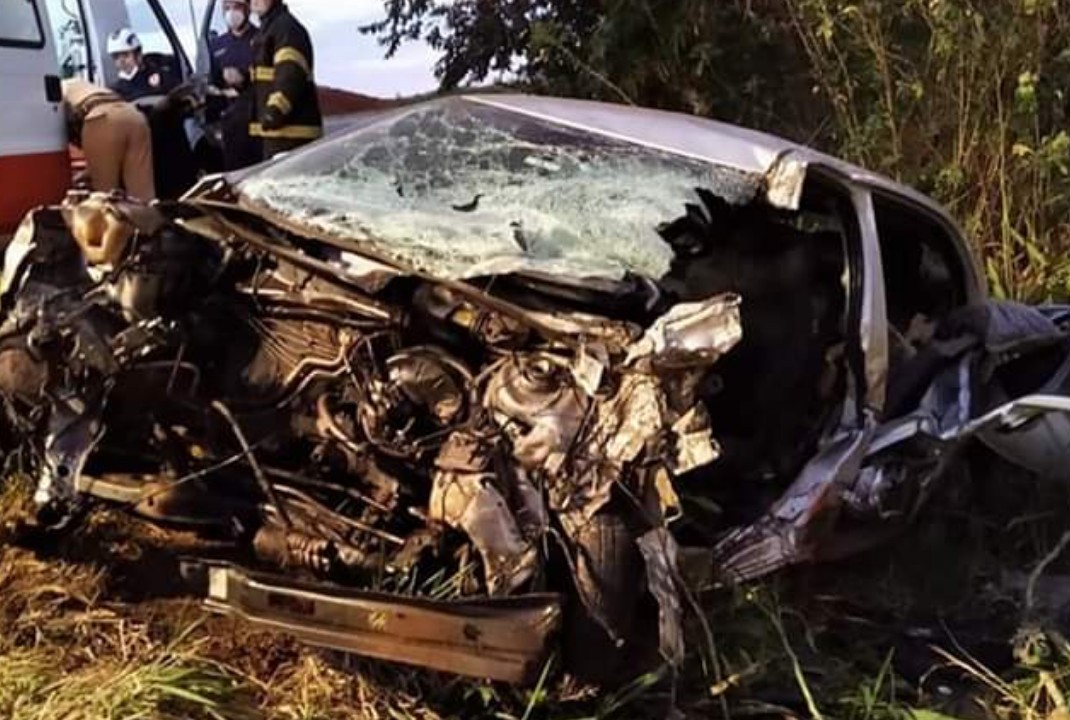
[[726, 58], [478, 38], [963, 98]]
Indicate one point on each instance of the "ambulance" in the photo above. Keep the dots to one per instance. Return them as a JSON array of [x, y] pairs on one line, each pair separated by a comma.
[[45, 41]]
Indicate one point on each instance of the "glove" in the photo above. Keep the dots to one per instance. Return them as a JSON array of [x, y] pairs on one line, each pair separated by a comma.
[[183, 100], [273, 118]]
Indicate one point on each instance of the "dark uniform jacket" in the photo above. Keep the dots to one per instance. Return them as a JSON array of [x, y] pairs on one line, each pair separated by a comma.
[[154, 78], [286, 102], [232, 51], [234, 116]]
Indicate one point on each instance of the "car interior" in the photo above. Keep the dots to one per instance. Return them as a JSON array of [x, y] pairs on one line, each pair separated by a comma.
[[771, 398], [924, 283]]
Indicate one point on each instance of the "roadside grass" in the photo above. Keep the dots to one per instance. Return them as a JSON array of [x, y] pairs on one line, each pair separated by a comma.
[[922, 630], [68, 654]]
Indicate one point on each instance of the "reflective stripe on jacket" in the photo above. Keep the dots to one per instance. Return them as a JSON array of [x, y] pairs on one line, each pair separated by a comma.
[[287, 104]]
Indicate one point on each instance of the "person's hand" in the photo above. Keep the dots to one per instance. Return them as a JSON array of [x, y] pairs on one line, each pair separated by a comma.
[[185, 98], [182, 100], [272, 119], [233, 77]]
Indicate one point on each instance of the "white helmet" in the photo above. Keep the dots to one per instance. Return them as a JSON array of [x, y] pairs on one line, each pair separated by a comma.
[[123, 40]]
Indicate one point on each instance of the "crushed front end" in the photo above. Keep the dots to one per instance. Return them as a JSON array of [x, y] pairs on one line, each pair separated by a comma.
[[421, 470]]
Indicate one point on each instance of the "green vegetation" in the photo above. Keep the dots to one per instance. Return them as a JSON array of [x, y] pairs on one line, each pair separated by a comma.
[[965, 99], [952, 621]]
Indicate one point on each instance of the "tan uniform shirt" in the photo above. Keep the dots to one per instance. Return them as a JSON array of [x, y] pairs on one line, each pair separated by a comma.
[[114, 136], [76, 93]]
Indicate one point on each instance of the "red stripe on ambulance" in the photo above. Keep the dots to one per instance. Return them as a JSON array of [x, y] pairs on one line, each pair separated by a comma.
[[27, 181]]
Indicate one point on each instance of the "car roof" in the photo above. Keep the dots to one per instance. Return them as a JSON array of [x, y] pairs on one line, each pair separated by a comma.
[[696, 137]]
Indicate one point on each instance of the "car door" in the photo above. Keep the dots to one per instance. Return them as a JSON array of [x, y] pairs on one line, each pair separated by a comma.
[[34, 167], [69, 27], [929, 277], [80, 30], [211, 26], [156, 28]]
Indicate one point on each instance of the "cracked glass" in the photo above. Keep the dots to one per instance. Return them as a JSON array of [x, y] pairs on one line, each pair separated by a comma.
[[459, 189]]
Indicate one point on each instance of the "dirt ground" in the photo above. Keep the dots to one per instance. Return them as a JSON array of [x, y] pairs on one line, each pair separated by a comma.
[[97, 624]]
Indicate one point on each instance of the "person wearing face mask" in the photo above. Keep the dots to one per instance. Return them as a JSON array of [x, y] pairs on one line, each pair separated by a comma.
[[154, 87], [139, 77], [232, 60], [232, 52], [286, 100]]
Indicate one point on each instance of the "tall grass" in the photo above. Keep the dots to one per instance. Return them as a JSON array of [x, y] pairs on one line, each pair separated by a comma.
[[966, 99]]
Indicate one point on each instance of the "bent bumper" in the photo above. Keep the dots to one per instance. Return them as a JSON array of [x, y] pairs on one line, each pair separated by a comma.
[[504, 639]]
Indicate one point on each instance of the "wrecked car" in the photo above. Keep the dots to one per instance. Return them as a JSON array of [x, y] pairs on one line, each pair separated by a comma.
[[474, 377]]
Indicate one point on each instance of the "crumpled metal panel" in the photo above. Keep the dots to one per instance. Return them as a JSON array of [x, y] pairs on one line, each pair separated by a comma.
[[694, 445], [660, 552], [464, 496], [74, 431], [625, 424], [784, 182], [15, 255], [506, 639], [692, 333], [790, 530]]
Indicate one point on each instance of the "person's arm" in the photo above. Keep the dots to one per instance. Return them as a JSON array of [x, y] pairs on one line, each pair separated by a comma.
[[215, 70], [235, 78], [233, 73], [75, 123], [293, 70]]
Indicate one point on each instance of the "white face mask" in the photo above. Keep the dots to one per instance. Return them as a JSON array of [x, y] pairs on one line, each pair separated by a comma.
[[128, 74], [235, 19]]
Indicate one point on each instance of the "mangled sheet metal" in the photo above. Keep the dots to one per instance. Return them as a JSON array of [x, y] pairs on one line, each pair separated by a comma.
[[587, 438], [457, 441], [879, 475], [507, 640]]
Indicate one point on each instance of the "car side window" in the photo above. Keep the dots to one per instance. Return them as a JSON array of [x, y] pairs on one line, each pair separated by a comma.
[[20, 24], [156, 37], [924, 277], [68, 27]]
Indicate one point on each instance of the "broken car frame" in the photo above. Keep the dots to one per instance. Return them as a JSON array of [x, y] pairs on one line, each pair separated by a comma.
[[453, 376]]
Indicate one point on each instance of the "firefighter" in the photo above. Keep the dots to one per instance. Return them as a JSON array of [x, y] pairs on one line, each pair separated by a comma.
[[114, 137], [232, 60], [139, 77], [152, 84], [287, 104]]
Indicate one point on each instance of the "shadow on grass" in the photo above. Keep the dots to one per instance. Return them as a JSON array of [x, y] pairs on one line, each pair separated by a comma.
[[922, 628]]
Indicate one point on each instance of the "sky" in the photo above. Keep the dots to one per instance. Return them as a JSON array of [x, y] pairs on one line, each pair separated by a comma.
[[344, 57]]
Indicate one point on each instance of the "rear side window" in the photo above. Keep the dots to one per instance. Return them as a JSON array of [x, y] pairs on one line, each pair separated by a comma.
[[20, 24]]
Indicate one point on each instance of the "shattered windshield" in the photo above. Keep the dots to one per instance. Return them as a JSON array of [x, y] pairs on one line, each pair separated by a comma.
[[460, 189]]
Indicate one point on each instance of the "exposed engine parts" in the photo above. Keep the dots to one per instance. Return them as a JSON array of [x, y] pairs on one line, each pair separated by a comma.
[[451, 472], [446, 434], [295, 550]]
